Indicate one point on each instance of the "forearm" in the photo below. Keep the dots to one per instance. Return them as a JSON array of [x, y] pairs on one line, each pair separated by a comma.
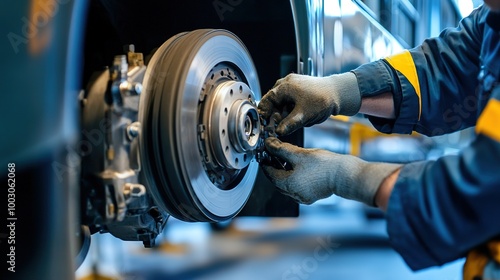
[[384, 192], [381, 106]]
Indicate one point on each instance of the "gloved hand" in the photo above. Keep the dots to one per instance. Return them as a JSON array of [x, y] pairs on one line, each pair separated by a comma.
[[303, 100], [318, 174]]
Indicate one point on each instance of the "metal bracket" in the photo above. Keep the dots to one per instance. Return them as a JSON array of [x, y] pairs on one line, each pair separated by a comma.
[[269, 130]]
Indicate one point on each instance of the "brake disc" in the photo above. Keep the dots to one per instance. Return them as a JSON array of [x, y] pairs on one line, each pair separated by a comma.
[[200, 126]]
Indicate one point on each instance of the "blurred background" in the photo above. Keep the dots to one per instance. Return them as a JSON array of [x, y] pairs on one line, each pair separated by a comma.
[[330, 240]]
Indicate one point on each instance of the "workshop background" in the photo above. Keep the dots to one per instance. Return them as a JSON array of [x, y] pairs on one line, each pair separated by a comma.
[[331, 239]]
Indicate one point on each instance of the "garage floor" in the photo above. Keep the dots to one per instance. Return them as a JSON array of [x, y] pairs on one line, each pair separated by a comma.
[[326, 242]]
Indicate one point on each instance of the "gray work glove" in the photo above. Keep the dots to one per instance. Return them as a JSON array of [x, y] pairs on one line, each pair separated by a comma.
[[318, 174], [303, 100]]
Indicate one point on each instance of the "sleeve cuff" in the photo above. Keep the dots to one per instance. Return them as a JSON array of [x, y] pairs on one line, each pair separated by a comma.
[[378, 77]]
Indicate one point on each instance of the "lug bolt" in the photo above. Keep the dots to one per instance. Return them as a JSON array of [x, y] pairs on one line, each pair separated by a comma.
[[133, 130]]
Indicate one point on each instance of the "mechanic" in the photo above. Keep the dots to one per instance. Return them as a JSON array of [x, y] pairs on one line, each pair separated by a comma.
[[437, 211]]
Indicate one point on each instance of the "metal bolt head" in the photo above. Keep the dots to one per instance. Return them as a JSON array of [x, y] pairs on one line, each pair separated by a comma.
[[137, 88], [130, 88], [133, 130]]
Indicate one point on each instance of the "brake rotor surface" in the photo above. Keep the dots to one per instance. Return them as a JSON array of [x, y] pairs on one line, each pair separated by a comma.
[[200, 125]]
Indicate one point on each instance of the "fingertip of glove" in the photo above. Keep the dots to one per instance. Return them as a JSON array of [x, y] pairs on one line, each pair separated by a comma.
[[264, 111], [272, 143], [272, 93], [266, 105], [283, 129]]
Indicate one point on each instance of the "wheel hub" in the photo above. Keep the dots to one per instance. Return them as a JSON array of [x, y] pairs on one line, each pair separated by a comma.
[[230, 130]]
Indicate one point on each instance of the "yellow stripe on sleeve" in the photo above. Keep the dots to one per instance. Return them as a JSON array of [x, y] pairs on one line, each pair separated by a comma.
[[489, 119], [403, 62]]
